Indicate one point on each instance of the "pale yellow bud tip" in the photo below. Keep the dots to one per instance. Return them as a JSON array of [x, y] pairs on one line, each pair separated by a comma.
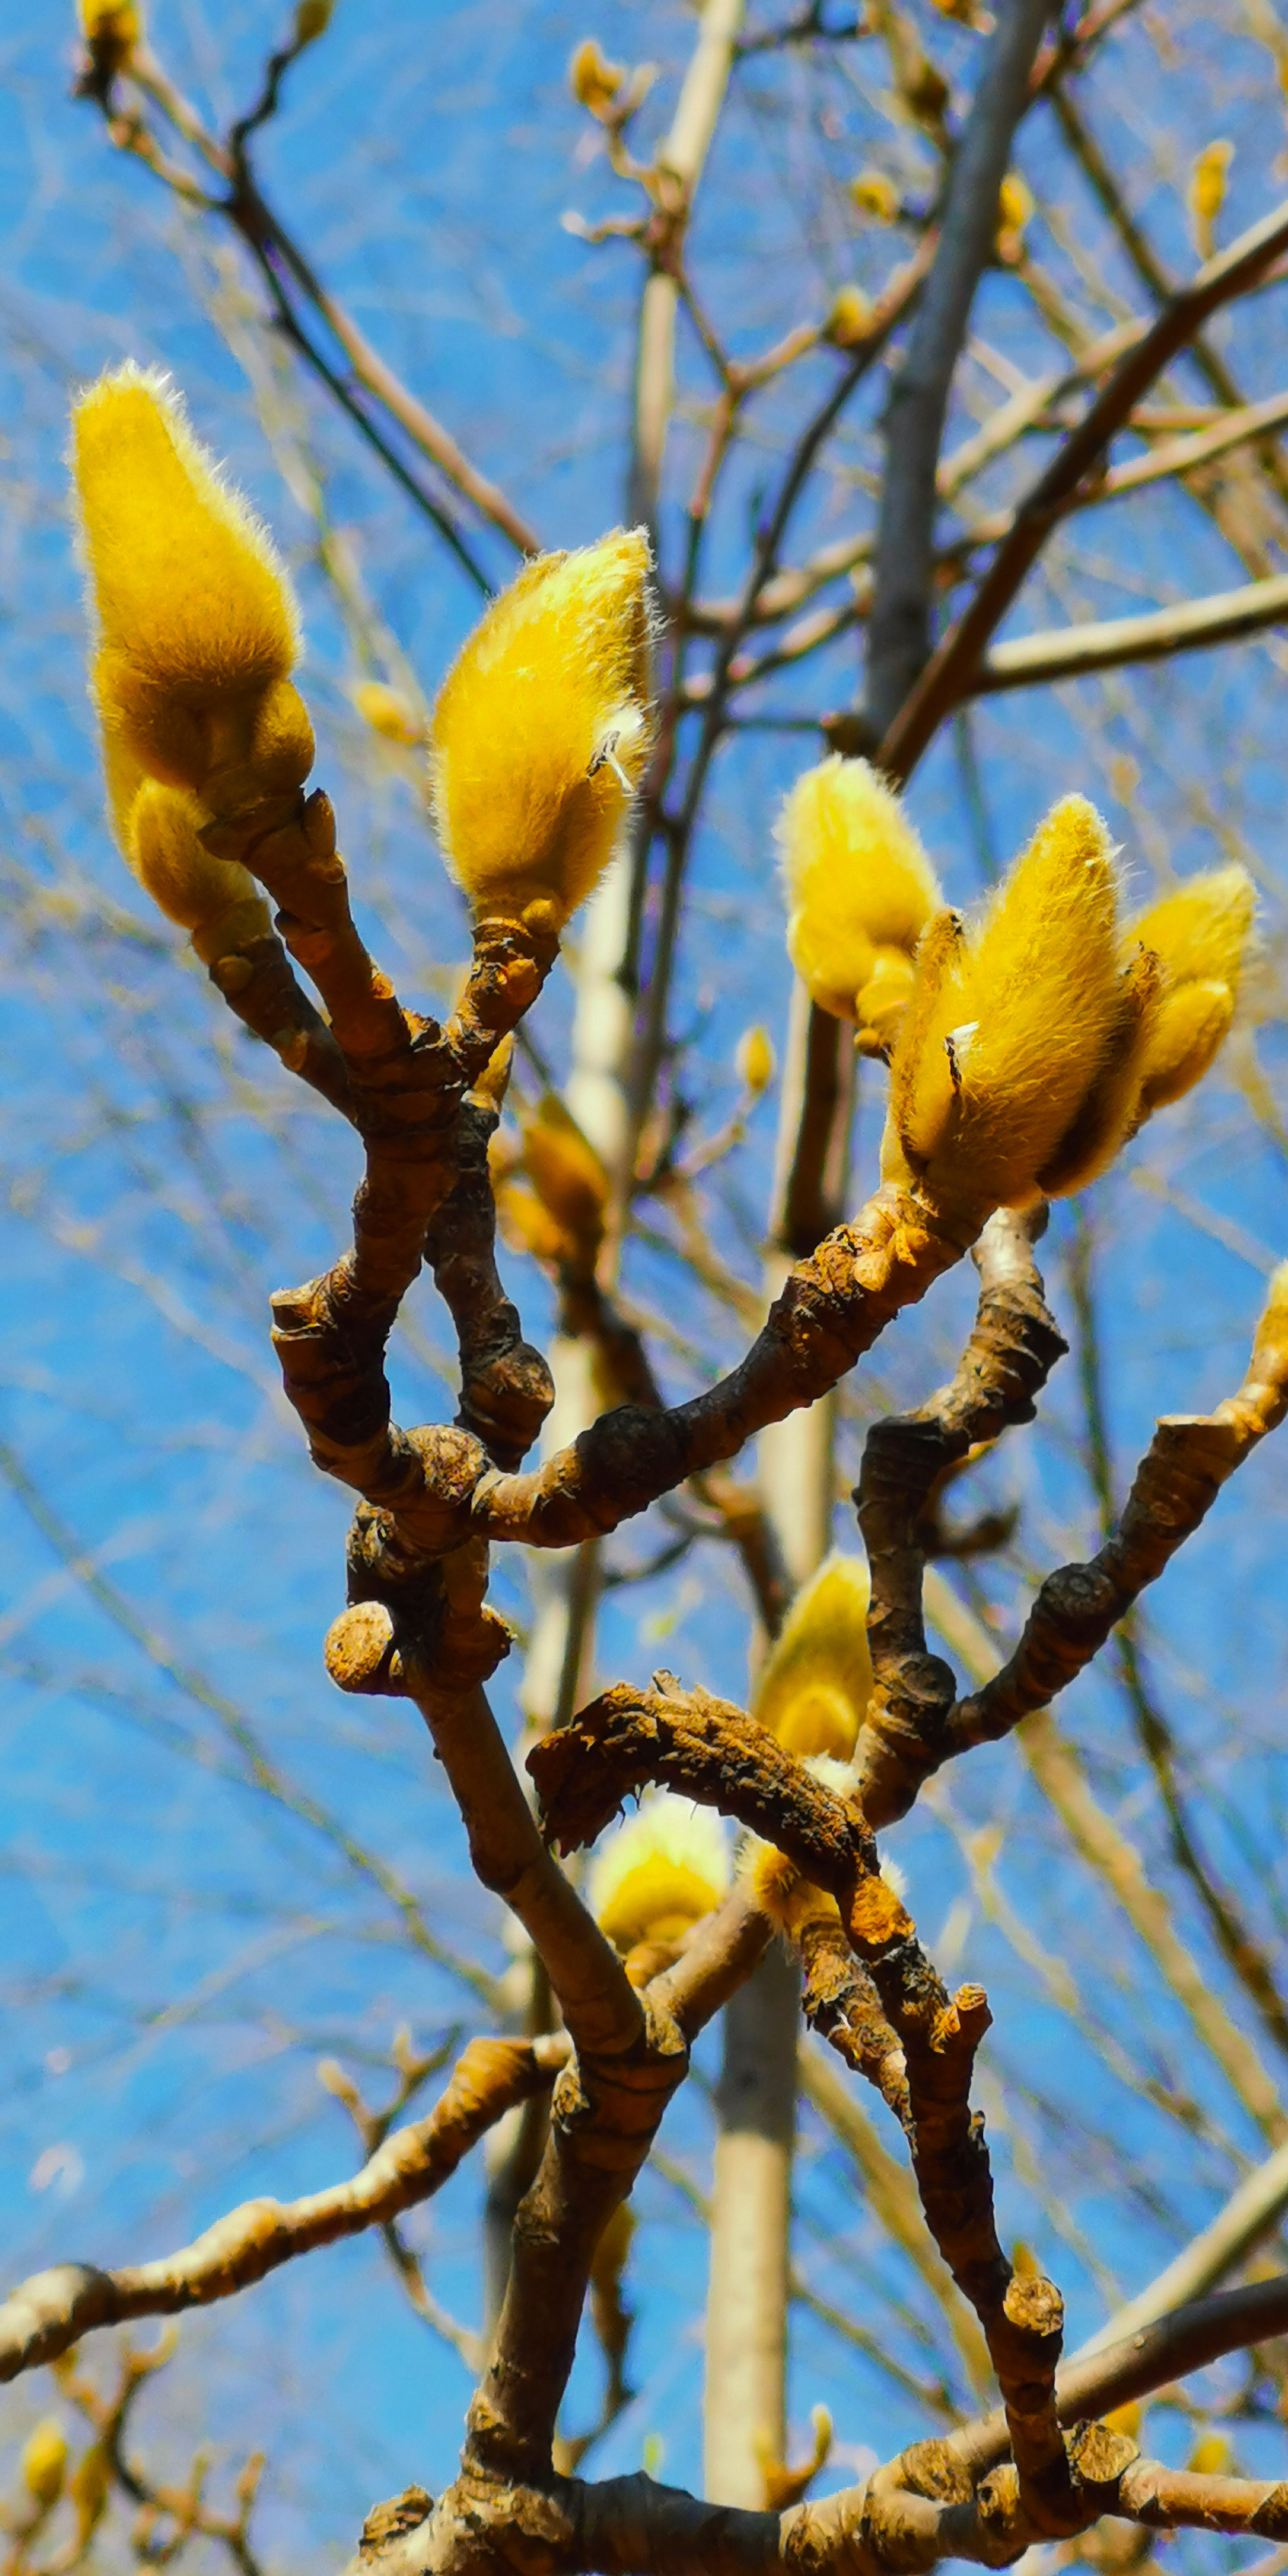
[[816, 1680], [755, 1061], [860, 890], [873, 194], [594, 81], [659, 1872], [388, 712], [43, 2462], [850, 318], [543, 730]]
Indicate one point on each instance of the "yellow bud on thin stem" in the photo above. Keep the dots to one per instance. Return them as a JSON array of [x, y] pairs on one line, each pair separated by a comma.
[[388, 713], [755, 1061], [872, 193], [42, 2464], [543, 729], [859, 886], [849, 319], [1207, 193], [816, 1680], [112, 29], [197, 629], [564, 1169], [1200, 936], [594, 81]]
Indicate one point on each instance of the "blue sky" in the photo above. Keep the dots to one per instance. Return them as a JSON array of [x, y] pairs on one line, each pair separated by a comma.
[[183, 1944]]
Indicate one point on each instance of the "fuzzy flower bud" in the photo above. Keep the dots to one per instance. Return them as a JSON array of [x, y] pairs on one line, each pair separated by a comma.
[[215, 900], [1200, 936], [660, 1872], [1014, 212], [816, 1680], [594, 81], [564, 1169], [860, 890], [91, 2481], [543, 729], [1015, 1025], [197, 629], [312, 18], [43, 2462]]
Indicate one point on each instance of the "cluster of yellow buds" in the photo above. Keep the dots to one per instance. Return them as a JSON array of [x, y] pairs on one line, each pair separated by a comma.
[[1037, 1040], [660, 1872], [860, 890]]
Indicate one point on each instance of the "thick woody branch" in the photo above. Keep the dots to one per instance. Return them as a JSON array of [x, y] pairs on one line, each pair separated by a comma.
[[50, 2312], [601, 2009], [506, 1386], [1188, 1461], [1013, 1346], [951, 670]]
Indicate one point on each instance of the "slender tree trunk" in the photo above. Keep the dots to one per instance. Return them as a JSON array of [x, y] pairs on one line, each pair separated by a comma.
[[746, 2383]]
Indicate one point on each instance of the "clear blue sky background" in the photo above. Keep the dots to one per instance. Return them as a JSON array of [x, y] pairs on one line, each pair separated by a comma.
[[181, 1945]]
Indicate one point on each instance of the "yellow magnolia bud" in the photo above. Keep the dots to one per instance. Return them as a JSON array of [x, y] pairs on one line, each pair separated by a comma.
[[816, 1680], [529, 1227], [1270, 1349], [1024, 2261], [197, 629], [91, 2479], [43, 2462], [1207, 193], [609, 2259], [215, 900], [1126, 2419], [388, 712], [564, 1169], [594, 81], [1014, 211], [1010, 1024], [312, 18], [111, 29], [850, 318], [1200, 936], [859, 887], [494, 1080], [755, 1060], [1210, 2457], [543, 729], [873, 194], [661, 1871]]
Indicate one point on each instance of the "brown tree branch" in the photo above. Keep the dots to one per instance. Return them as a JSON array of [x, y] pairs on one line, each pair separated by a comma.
[[1192, 626], [51, 2311], [948, 675], [899, 626]]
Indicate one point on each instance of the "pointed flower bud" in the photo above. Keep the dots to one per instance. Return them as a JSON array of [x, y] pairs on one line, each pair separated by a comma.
[[755, 1060], [1207, 193], [43, 2462], [1012, 1024], [849, 319], [872, 193], [91, 2481], [816, 1680], [1200, 936], [564, 1169], [661, 1871], [860, 890], [543, 728], [197, 629]]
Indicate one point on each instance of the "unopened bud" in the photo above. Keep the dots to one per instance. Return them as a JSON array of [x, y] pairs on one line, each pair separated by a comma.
[[43, 2463], [755, 1061]]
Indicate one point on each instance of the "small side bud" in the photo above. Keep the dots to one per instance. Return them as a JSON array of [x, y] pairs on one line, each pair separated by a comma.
[[755, 1061], [91, 2482], [42, 2463], [215, 900], [849, 320], [1014, 214], [860, 890], [816, 1680], [595, 83], [112, 30], [389, 713], [312, 18], [872, 193], [1207, 187]]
